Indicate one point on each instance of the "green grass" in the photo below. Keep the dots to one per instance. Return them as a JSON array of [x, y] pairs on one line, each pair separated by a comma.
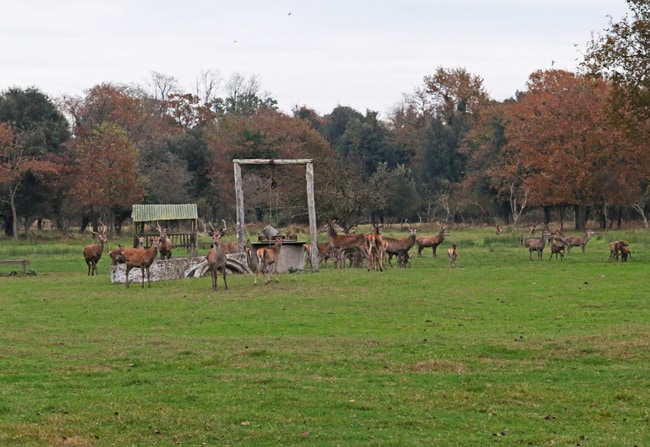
[[497, 351]]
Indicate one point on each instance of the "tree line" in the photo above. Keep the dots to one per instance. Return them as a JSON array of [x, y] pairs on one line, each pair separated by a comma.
[[570, 146]]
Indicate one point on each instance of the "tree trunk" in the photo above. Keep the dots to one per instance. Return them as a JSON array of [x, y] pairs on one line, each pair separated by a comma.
[[580, 217]]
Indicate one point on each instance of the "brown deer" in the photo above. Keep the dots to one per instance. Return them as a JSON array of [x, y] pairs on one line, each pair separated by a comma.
[[323, 252], [229, 248], [217, 259], [452, 253], [142, 258], [375, 249], [267, 261], [166, 245], [557, 247], [400, 247], [579, 241], [498, 230], [339, 244], [93, 252], [117, 255], [537, 245], [616, 249], [431, 241]]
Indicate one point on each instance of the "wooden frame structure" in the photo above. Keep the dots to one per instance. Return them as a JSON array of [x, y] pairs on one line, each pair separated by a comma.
[[142, 214], [309, 177]]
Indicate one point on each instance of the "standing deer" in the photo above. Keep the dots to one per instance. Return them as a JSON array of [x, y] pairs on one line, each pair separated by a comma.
[[93, 252], [557, 247], [400, 247], [142, 258], [375, 248], [166, 245], [267, 261], [617, 248], [498, 230], [579, 241], [339, 244], [452, 253], [431, 241], [217, 259], [537, 245]]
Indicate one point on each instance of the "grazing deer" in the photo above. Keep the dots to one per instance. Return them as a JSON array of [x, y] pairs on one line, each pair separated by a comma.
[[93, 252], [404, 260], [117, 255], [166, 245], [217, 259], [142, 258], [339, 244], [431, 241], [579, 241], [452, 254], [625, 252], [267, 261], [616, 249], [537, 245], [400, 247]]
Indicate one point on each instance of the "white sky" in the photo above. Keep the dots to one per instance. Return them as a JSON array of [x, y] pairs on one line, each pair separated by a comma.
[[360, 53]]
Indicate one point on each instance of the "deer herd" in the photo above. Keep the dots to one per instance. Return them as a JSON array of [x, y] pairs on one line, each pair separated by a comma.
[[372, 250]]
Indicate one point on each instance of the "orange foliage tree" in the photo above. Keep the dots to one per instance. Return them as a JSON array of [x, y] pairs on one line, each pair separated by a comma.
[[563, 150], [104, 174]]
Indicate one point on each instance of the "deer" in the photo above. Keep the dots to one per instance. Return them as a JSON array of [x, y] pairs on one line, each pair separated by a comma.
[[452, 253], [537, 245], [557, 247], [375, 249], [166, 245], [142, 258], [267, 261], [400, 247], [498, 230], [229, 248], [93, 252], [323, 252], [340, 243], [616, 249], [579, 241], [117, 255], [431, 241], [217, 259]]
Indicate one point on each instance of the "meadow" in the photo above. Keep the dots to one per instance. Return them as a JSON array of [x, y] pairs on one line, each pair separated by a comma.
[[499, 350]]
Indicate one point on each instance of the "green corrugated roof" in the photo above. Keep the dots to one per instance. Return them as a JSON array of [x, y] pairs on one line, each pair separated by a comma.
[[152, 213]]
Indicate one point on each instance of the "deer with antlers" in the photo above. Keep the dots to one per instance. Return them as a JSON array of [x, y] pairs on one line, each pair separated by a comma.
[[340, 244], [165, 242], [93, 252], [267, 261], [217, 259]]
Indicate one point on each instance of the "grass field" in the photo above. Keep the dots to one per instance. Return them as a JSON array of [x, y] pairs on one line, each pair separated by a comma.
[[497, 351]]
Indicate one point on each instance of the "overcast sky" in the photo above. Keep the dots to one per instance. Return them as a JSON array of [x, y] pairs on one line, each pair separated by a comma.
[[357, 53]]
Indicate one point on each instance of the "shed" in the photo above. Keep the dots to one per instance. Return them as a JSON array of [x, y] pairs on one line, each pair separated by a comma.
[[180, 220]]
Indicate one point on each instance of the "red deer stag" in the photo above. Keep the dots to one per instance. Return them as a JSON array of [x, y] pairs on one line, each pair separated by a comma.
[[452, 253], [400, 247], [340, 244], [537, 245], [217, 259], [431, 241], [579, 241], [166, 245], [93, 252], [267, 261], [142, 258]]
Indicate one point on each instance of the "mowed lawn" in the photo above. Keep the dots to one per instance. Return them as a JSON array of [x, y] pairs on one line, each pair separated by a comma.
[[499, 350]]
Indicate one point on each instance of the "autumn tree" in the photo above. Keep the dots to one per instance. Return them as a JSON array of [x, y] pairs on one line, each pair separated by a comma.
[[562, 150], [33, 134], [104, 176]]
